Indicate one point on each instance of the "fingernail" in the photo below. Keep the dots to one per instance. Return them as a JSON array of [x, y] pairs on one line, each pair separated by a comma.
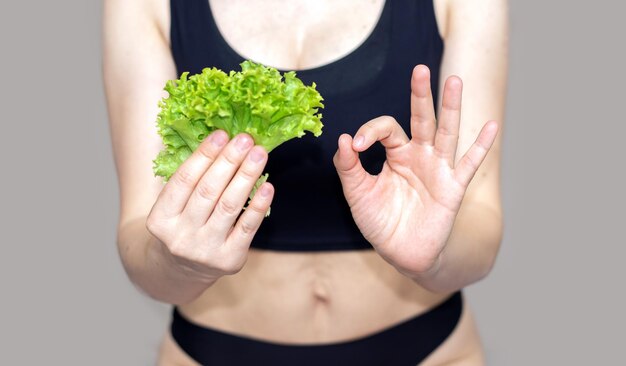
[[243, 142], [265, 190], [218, 138], [359, 141], [256, 155]]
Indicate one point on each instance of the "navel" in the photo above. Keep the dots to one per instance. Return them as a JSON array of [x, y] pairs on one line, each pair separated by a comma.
[[320, 292]]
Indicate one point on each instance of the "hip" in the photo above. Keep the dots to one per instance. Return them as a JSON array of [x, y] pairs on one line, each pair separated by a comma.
[[438, 337]]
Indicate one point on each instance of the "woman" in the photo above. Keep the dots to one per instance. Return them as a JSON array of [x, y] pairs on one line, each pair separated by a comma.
[[350, 268]]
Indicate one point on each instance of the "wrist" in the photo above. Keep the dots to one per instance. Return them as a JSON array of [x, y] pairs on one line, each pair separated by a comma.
[[177, 271], [427, 277]]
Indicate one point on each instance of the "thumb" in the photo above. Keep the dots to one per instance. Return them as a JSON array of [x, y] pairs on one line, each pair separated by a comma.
[[351, 173]]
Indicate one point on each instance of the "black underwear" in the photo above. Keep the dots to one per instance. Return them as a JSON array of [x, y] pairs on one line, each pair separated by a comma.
[[406, 343]]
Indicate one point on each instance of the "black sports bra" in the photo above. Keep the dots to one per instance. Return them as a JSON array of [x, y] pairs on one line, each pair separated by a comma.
[[309, 211]]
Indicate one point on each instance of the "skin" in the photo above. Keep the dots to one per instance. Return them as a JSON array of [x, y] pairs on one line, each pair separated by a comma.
[[182, 243]]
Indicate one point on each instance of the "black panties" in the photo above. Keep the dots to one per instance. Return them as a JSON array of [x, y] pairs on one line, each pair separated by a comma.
[[406, 343]]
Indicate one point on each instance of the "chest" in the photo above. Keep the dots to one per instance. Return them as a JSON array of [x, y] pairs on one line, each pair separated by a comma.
[[297, 34]]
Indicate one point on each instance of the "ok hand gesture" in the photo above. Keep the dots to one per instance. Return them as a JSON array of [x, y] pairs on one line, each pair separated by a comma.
[[407, 211]]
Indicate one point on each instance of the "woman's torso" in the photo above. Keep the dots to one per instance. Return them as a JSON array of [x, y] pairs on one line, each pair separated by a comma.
[[326, 296]]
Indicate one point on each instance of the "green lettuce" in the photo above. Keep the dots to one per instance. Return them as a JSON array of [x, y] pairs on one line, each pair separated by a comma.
[[257, 100]]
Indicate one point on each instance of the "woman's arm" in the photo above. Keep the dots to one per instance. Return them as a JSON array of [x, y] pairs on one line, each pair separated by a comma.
[[137, 62], [434, 211], [476, 50], [175, 240]]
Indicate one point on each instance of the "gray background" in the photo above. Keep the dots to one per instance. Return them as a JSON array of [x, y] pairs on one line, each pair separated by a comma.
[[554, 298]]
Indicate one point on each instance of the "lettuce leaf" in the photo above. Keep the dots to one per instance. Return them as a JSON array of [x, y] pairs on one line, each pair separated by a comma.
[[256, 100]]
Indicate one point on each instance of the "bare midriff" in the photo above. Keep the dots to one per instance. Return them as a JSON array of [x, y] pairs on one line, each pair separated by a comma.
[[310, 297], [316, 298]]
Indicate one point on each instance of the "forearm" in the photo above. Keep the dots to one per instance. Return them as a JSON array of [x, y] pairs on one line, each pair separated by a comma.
[[151, 268], [476, 49], [470, 251]]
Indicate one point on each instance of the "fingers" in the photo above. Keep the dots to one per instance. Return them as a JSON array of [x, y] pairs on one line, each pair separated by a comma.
[[214, 181], [252, 217], [176, 192], [236, 194], [346, 160], [469, 163], [422, 108], [384, 129], [447, 136]]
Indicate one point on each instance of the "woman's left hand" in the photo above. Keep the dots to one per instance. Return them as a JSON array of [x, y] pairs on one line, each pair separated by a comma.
[[408, 210]]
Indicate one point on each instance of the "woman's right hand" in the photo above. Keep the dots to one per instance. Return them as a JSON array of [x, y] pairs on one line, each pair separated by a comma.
[[197, 214]]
